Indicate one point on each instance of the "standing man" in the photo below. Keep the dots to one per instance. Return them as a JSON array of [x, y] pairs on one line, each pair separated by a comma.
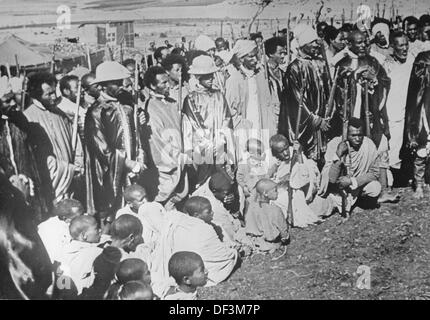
[[207, 125], [276, 52], [110, 135], [51, 134], [17, 159], [359, 70], [398, 67], [248, 96], [175, 66], [418, 118], [166, 181], [307, 74]]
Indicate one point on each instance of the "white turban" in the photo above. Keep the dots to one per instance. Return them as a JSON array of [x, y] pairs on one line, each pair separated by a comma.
[[204, 43], [305, 34], [383, 28], [243, 47]]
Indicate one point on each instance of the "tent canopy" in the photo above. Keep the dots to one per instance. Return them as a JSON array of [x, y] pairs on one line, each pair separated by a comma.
[[11, 45]]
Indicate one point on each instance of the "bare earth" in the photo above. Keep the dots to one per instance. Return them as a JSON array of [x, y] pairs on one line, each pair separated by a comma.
[[322, 261]]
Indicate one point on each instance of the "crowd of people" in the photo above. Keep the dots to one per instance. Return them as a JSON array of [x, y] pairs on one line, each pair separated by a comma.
[[149, 179]]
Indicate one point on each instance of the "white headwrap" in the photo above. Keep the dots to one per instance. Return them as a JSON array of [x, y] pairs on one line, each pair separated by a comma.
[[383, 28], [243, 47], [305, 34]]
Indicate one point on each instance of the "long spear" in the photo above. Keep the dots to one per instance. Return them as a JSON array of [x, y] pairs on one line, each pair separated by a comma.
[[75, 120], [344, 138]]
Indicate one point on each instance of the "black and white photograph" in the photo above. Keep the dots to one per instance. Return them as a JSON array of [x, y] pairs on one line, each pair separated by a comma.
[[213, 150]]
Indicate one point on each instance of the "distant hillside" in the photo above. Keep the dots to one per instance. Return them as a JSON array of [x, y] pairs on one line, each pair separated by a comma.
[[130, 4]]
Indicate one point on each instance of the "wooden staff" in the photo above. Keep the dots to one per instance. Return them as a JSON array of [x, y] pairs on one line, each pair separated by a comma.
[[180, 94], [344, 139], [8, 71], [24, 91], [329, 111], [324, 54], [75, 120], [221, 31], [377, 10], [383, 12], [53, 60], [288, 45], [88, 58], [297, 157], [17, 65], [366, 108], [139, 150], [343, 16]]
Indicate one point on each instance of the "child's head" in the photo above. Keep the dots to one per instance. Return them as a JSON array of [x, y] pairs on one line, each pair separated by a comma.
[[85, 228], [127, 232], [199, 207], [135, 196], [133, 270], [68, 209], [255, 150], [267, 189], [188, 269], [135, 290]]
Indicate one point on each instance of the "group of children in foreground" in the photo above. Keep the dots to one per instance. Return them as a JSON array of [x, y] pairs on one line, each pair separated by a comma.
[[116, 266]]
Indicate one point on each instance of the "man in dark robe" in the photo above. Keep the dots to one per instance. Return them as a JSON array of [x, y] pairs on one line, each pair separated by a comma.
[[418, 118], [307, 74], [16, 155], [110, 137], [360, 68]]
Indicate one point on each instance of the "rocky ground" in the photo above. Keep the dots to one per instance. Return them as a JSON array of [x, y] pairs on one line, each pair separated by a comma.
[[331, 260]]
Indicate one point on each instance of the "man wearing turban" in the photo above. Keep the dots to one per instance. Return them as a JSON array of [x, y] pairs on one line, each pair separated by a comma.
[[307, 72]]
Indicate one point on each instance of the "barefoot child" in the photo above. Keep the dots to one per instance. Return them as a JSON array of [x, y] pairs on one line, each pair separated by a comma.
[[265, 222]]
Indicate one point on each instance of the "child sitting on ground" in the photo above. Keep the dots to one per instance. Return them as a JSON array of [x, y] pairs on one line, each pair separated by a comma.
[[134, 197], [137, 205], [253, 167], [188, 270], [265, 222], [77, 260], [134, 290], [54, 232], [129, 270]]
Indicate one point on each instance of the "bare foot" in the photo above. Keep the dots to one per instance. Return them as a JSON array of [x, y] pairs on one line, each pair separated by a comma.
[[419, 193]]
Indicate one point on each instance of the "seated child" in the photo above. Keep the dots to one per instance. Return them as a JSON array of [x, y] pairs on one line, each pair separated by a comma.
[[78, 257], [188, 270], [253, 167], [137, 205], [129, 270], [134, 290], [134, 197], [265, 222], [54, 232]]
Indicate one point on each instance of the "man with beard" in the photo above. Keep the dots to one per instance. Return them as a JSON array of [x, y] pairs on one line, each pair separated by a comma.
[[398, 67], [380, 47], [362, 69], [110, 136], [16, 155], [51, 134], [417, 118], [248, 96], [307, 74]]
